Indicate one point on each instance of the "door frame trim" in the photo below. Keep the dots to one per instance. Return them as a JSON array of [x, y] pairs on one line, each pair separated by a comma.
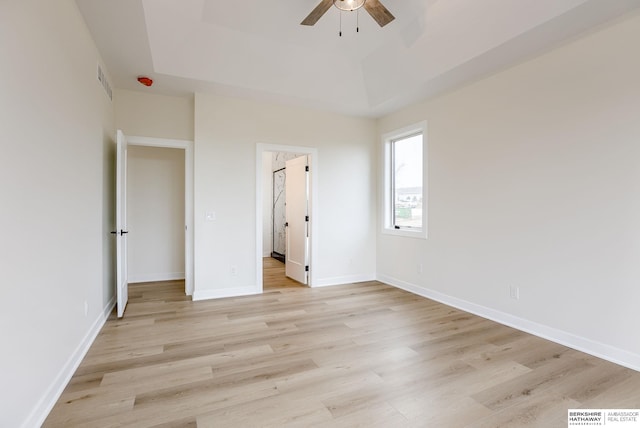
[[312, 152], [187, 146]]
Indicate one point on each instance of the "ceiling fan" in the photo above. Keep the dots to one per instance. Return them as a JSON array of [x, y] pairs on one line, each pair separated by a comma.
[[377, 11]]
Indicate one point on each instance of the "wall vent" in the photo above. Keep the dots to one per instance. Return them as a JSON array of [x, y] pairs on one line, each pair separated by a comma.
[[105, 83]]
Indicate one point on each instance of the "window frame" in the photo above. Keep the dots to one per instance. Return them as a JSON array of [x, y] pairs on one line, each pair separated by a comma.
[[388, 206]]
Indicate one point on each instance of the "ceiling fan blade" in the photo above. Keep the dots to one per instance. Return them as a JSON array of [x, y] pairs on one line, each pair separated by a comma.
[[378, 12], [317, 13]]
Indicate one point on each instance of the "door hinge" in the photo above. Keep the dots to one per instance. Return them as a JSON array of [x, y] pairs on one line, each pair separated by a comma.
[[306, 268], [286, 224], [306, 218], [306, 168]]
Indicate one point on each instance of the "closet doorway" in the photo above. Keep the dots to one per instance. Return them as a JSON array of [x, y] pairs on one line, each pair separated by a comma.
[[157, 150]]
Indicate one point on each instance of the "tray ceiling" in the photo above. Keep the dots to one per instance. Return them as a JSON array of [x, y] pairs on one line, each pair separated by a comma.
[[258, 49]]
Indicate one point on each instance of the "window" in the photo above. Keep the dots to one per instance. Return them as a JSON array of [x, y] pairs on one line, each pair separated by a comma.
[[405, 197]]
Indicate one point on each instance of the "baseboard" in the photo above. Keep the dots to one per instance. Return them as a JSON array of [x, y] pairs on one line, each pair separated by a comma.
[[154, 277], [579, 343], [53, 393], [220, 293], [340, 280]]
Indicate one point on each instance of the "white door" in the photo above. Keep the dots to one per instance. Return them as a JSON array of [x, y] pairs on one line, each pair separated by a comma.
[[122, 289], [297, 217]]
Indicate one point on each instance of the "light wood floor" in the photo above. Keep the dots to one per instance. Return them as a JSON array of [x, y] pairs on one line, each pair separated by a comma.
[[273, 276], [356, 355]]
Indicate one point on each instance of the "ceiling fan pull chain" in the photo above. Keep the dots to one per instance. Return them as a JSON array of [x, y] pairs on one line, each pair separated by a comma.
[[358, 20], [340, 33]]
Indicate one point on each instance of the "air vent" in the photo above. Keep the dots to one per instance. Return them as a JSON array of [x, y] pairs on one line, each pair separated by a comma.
[[105, 83]]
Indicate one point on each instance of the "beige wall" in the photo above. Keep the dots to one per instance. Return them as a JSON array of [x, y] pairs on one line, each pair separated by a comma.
[[155, 213], [533, 183], [56, 187], [151, 115], [227, 131]]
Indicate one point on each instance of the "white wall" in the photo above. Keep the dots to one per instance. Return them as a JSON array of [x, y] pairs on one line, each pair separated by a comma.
[[227, 131], [155, 213], [151, 115], [534, 182], [56, 187]]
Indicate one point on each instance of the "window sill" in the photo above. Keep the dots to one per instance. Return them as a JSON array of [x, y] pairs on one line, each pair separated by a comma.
[[409, 233]]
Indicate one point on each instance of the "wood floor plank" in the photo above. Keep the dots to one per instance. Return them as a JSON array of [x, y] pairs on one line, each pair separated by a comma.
[[363, 354], [271, 411], [541, 411], [621, 395], [532, 383], [375, 415], [439, 409]]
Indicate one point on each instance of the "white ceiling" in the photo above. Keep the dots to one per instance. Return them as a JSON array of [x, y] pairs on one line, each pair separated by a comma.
[[258, 49]]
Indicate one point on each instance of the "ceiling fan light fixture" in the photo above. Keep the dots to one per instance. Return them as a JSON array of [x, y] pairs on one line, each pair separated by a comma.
[[349, 5]]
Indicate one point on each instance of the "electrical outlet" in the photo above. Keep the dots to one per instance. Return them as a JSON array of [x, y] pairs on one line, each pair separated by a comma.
[[86, 308], [234, 270], [514, 292], [419, 268]]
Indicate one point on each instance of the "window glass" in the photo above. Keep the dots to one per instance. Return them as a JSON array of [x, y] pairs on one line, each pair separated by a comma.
[[407, 181]]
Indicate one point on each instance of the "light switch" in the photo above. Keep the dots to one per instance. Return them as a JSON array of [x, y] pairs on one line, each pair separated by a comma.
[[210, 215]]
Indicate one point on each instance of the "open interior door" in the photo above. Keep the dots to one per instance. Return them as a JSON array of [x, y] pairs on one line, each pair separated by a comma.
[[122, 289], [297, 217]]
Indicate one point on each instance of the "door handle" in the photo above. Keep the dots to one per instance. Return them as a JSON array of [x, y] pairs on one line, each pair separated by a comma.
[[122, 232]]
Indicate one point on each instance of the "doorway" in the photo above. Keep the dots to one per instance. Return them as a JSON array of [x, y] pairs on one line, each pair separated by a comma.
[[187, 194], [269, 232], [155, 214]]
